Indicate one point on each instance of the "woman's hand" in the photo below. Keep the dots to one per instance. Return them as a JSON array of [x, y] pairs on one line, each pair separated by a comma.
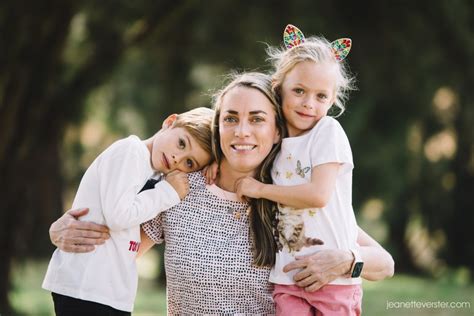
[[320, 268], [71, 235], [325, 266]]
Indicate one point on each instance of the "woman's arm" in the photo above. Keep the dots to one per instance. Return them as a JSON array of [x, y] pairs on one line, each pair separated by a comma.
[[325, 266], [313, 194], [71, 235], [378, 263]]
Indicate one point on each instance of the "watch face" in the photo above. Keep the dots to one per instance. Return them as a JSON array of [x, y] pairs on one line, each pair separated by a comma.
[[357, 269]]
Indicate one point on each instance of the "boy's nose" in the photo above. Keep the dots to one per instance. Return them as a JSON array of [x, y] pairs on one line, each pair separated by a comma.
[[175, 159]]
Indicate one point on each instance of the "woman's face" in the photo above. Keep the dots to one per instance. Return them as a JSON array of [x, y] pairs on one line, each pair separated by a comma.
[[247, 128]]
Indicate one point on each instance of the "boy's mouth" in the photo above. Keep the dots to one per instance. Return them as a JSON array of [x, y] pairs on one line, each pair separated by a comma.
[[165, 161]]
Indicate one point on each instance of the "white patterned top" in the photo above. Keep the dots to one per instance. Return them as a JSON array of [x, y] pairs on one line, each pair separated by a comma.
[[208, 255]]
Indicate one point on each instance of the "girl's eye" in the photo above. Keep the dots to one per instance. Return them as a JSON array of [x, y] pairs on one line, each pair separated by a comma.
[[322, 96], [182, 144], [189, 164], [298, 91]]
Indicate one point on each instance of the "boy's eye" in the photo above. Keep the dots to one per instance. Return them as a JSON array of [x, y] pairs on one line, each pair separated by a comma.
[[189, 164], [181, 144]]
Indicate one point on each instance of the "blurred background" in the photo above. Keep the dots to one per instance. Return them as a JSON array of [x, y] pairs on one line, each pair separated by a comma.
[[77, 75]]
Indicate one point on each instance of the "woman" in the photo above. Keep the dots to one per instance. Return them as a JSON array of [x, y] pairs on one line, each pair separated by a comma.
[[209, 254]]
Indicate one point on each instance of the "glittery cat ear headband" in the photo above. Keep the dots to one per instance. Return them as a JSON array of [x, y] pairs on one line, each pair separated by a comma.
[[292, 36]]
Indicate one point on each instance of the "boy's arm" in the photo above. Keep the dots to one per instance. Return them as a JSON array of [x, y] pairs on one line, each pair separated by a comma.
[[145, 244], [120, 180], [314, 194]]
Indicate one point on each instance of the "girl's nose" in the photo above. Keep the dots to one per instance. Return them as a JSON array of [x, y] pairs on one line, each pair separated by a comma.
[[308, 104]]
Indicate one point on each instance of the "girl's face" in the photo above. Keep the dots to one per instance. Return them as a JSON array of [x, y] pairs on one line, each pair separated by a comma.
[[308, 91], [247, 128]]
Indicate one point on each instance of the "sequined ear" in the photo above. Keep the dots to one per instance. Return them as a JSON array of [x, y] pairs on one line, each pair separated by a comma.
[[341, 48], [292, 36]]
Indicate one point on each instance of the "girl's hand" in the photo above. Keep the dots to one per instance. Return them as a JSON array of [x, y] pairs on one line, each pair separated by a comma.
[[248, 187], [319, 269], [210, 172], [71, 235]]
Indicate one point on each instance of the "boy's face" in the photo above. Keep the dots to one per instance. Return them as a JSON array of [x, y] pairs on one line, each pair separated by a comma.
[[175, 149], [308, 91]]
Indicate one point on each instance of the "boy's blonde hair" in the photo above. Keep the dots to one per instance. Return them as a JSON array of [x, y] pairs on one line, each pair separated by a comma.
[[198, 123], [315, 49]]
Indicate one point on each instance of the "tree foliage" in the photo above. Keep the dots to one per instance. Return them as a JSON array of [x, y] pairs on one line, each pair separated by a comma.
[[410, 123]]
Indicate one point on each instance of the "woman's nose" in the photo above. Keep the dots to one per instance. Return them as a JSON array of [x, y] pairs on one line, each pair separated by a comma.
[[242, 130]]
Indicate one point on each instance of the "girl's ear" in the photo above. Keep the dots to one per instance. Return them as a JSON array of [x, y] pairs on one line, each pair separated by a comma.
[[168, 122]]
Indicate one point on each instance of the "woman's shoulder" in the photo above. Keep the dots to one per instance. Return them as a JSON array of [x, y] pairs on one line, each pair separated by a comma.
[[196, 180]]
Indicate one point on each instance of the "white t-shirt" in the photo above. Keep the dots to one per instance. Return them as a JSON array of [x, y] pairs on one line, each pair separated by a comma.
[[109, 189], [334, 224]]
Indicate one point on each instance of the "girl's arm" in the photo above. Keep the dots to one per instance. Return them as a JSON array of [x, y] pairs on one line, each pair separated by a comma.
[[314, 194]]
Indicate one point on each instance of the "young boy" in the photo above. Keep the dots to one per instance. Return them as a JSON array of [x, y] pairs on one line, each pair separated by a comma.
[[104, 282]]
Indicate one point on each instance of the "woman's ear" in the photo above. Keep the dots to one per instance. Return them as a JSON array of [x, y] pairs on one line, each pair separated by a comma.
[[277, 137], [168, 122]]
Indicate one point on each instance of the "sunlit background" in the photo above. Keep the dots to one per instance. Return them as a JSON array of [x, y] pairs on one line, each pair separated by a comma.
[[77, 76]]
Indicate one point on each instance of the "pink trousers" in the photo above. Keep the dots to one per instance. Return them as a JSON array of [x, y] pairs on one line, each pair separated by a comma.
[[329, 300]]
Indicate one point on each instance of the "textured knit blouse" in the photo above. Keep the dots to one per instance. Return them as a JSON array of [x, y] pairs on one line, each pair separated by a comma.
[[208, 256]]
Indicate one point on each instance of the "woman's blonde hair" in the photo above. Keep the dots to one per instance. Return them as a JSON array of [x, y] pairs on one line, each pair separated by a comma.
[[315, 49], [262, 211]]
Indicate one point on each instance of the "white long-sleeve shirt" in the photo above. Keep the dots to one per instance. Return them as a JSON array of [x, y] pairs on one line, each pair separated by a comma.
[[109, 189]]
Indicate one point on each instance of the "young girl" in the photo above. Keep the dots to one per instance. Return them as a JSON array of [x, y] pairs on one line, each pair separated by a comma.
[[312, 174]]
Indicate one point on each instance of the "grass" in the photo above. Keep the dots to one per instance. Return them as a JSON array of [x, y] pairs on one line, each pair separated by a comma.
[[28, 298]]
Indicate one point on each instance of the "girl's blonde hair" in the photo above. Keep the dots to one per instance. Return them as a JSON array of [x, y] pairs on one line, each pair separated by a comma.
[[315, 49], [263, 211]]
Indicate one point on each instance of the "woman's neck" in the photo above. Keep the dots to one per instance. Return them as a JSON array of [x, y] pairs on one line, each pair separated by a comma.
[[228, 176]]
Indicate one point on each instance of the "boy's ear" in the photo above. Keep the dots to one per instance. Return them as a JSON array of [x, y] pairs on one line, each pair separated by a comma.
[[168, 122]]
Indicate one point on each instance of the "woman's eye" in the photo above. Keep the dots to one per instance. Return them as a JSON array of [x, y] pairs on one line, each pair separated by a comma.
[[182, 144], [257, 119], [189, 163], [230, 119]]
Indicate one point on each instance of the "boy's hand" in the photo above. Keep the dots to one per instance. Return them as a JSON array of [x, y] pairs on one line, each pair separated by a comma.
[[210, 172], [248, 187], [179, 181]]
